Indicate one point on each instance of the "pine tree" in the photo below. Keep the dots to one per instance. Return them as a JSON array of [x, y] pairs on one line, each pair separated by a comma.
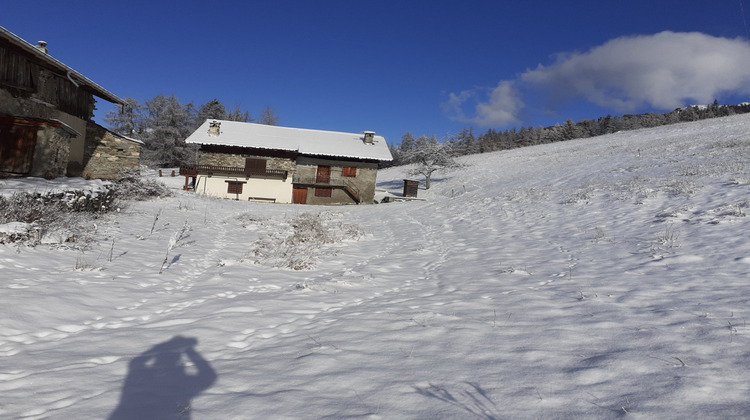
[[127, 119], [168, 123], [212, 110]]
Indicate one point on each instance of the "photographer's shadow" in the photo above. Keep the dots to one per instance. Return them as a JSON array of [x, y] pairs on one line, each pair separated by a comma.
[[160, 385]]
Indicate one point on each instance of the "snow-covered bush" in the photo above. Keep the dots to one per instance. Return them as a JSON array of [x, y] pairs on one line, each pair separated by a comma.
[[56, 216], [133, 187], [301, 241]]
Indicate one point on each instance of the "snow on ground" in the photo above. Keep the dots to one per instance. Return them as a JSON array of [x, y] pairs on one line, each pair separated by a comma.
[[595, 278], [8, 187]]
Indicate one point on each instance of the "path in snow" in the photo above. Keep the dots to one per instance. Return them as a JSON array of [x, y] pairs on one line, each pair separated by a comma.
[[594, 278]]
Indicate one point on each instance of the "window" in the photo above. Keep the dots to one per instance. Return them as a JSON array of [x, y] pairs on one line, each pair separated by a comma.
[[323, 192], [234, 187], [348, 171]]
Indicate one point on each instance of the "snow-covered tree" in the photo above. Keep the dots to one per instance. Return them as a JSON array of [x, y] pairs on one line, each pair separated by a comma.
[[430, 156], [127, 119], [168, 125], [212, 109]]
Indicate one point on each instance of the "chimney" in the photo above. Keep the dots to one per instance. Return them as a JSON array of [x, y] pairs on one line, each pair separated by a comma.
[[214, 128], [41, 46], [369, 137]]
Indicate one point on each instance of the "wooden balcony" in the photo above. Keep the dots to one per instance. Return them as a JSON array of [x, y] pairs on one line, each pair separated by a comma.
[[194, 170]]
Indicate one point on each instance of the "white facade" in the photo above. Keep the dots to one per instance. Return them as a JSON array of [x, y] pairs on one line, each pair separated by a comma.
[[272, 190]]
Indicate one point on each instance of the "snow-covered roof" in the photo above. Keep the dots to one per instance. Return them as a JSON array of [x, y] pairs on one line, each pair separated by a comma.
[[300, 140]]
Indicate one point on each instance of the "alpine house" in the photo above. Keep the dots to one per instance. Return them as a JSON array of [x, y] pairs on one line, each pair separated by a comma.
[[247, 161]]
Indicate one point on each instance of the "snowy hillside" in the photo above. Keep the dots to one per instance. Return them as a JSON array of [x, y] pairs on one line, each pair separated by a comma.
[[595, 278]]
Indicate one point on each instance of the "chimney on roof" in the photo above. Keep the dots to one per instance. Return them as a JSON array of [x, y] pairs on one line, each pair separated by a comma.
[[214, 128], [369, 137], [41, 46]]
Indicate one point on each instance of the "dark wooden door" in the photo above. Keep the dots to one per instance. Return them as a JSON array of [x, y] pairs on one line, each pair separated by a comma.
[[324, 175], [299, 195], [17, 144]]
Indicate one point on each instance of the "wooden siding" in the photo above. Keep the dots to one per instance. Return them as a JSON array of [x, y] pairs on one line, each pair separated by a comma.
[[17, 71]]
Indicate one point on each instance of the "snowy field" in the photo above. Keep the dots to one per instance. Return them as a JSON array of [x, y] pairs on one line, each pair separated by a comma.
[[597, 278]]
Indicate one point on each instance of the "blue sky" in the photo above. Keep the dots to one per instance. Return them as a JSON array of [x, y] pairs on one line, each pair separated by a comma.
[[427, 67]]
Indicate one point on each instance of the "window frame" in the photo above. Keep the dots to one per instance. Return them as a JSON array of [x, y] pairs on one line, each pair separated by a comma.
[[237, 185]]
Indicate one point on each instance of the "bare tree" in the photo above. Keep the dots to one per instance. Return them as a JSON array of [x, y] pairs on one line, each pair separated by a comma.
[[269, 117], [239, 115], [430, 156]]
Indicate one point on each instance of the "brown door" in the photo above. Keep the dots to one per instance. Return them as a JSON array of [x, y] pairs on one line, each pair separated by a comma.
[[324, 175], [17, 145], [299, 195]]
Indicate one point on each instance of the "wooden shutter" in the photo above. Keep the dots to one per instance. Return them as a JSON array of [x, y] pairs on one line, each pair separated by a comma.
[[234, 187], [349, 171], [255, 166], [323, 191]]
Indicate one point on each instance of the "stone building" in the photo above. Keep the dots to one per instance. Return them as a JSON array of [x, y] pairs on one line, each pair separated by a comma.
[[107, 155], [247, 161], [46, 111]]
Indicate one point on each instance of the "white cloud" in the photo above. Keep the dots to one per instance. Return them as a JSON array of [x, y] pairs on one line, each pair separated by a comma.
[[454, 105], [665, 71], [501, 108]]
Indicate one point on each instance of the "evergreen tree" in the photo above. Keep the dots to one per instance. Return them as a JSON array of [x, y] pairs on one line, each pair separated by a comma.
[[127, 119], [168, 124], [464, 143], [212, 110], [407, 143]]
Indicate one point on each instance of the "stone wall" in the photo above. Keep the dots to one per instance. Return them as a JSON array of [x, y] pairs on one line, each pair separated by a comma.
[[363, 183], [24, 107], [51, 152], [237, 160], [108, 155], [221, 159]]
